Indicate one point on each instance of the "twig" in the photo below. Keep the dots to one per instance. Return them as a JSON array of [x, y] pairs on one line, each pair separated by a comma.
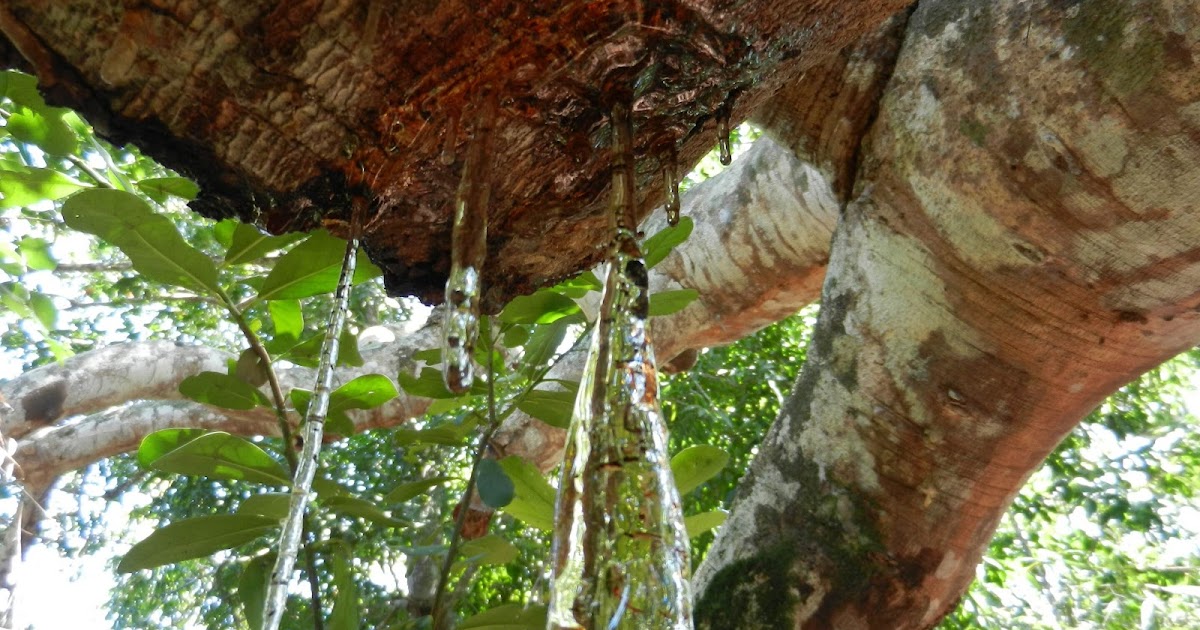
[[306, 468], [82, 165], [440, 614]]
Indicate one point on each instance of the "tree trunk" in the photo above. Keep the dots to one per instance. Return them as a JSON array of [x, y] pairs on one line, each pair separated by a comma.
[[1012, 256], [290, 113]]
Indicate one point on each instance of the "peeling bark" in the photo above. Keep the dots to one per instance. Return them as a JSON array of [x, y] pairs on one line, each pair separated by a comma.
[[1011, 258], [287, 112]]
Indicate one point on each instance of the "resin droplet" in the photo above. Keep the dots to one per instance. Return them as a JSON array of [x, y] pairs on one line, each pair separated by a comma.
[[449, 141], [624, 208], [620, 557], [671, 186], [468, 247], [723, 136]]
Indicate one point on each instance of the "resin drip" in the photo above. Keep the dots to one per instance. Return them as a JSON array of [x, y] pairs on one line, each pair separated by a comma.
[[723, 136], [620, 557], [468, 248], [671, 186], [449, 141]]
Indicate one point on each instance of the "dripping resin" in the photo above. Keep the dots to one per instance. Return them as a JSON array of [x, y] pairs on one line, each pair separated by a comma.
[[723, 136], [620, 558], [468, 248], [671, 186]]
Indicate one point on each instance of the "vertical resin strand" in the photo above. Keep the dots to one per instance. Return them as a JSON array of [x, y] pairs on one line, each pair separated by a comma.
[[468, 248], [620, 557], [671, 186], [723, 135]]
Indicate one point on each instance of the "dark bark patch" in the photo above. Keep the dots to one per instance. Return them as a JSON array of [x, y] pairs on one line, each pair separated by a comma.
[[1127, 59], [757, 592], [45, 404]]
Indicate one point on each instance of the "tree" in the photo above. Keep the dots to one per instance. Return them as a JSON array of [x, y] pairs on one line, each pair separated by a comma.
[[1005, 253]]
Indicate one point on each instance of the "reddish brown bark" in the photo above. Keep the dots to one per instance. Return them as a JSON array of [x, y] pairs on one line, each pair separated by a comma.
[[290, 113], [1011, 257]]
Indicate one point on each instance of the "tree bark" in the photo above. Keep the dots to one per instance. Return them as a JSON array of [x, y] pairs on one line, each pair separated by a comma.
[[290, 113], [1011, 257]]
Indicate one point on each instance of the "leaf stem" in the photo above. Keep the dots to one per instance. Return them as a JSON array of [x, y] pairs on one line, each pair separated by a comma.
[[285, 428], [82, 165], [440, 613]]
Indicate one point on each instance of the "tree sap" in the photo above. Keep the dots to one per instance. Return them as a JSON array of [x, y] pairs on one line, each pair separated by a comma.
[[671, 186], [620, 557], [468, 248], [723, 135], [449, 141]]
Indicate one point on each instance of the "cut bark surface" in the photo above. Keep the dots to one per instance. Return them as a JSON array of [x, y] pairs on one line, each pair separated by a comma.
[[291, 114]]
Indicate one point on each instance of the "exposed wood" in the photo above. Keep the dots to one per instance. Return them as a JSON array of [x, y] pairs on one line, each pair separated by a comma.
[[286, 112]]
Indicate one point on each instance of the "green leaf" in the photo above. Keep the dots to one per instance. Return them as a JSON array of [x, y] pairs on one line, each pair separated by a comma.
[[21, 89], [443, 436], [697, 524], [160, 188], [326, 488], [252, 588], [365, 392], [668, 302], [194, 538], [312, 268], [543, 344], [490, 549], [160, 443], [335, 423], [493, 484], [36, 252], [288, 319], [359, 508], [44, 127], [43, 308], [222, 390], [345, 600], [16, 298], [270, 504], [307, 353], [656, 248], [580, 285], [150, 240], [542, 307], [515, 335], [428, 385], [223, 456], [248, 244], [410, 490], [11, 262], [223, 231], [507, 617], [533, 500], [22, 186], [696, 464], [552, 407]]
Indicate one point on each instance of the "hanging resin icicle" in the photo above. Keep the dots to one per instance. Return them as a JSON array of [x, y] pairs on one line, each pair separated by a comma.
[[450, 141], [671, 186], [723, 136], [468, 247], [620, 558]]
